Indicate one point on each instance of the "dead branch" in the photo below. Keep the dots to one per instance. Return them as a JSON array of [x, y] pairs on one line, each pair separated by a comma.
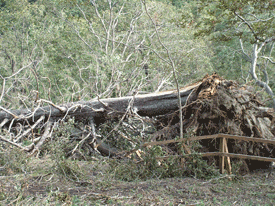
[[28, 148], [45, 135], [30, 129]]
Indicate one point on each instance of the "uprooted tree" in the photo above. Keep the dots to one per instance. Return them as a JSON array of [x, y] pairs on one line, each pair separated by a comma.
[[118, 126]]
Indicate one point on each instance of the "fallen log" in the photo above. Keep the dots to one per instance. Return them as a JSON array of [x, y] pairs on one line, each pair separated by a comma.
[[145, 105]]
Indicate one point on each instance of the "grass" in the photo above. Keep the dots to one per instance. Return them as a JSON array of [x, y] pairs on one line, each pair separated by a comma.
[[97, 184]]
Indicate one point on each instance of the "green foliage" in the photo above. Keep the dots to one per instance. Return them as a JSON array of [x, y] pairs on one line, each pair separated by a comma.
[[13, 161], [176, 3], [250, 20], [228, 61], [2, 3], [197, 167], [60, 148], [152, 167], [61, 53], [223, 24]]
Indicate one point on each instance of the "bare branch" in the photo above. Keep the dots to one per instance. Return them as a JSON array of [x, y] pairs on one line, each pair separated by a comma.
[[258, 19], [62, 109], [3, 88], [246, 55], [15, 144], [45, 135], [14, 74], [268, 58], [248, 24], [173, 68], [30, 129], [5, 110]]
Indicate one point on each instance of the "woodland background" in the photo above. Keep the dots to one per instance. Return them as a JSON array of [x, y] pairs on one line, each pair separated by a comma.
[[66, 51]]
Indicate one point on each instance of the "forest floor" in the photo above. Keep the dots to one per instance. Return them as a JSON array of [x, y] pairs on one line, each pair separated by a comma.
[[43, 182]]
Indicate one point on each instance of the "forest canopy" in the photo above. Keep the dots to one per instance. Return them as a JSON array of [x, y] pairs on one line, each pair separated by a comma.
[[72, 50]]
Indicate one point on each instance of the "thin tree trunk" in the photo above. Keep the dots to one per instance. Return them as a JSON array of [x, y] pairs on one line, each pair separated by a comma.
[[262, 84]]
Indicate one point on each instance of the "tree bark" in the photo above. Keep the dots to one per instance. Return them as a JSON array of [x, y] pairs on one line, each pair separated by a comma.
[[145, 105]]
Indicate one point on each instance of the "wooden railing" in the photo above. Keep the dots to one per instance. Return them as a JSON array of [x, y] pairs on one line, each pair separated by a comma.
[[224, 155]]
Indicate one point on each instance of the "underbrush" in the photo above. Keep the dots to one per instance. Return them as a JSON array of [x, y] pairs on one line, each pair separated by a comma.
[[56, 173], [154, 162], [13, 161], [151, 166], [56, 163]]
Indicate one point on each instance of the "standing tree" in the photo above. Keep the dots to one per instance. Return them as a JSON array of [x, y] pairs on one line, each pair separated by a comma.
[[249, 22]]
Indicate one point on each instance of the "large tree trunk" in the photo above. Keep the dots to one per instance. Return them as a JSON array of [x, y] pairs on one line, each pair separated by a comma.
[[145, 105]]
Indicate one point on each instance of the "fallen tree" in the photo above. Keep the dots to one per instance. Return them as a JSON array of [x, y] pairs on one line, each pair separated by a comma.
[[152, 104], [91, 112], [118, 126]]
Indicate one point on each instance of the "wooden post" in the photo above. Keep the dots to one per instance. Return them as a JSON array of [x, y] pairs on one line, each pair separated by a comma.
[[227, 159], [222, 147]]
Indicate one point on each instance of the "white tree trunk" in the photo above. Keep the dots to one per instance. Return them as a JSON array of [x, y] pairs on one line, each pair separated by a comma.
[[264, 84]]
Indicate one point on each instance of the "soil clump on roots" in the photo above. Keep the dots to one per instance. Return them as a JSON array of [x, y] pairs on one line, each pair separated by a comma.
[[221, 106]]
